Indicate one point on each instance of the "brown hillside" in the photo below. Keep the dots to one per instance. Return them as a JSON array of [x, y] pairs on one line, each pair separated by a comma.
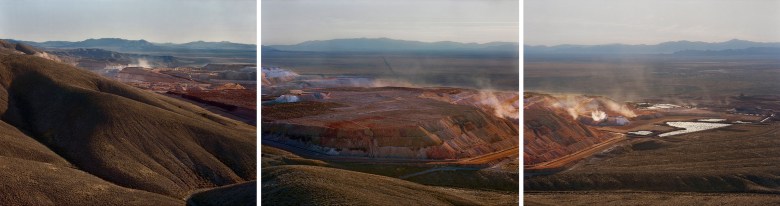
[[13, 143], [27, 182], [235, 195], [313, 185], [121, 134]]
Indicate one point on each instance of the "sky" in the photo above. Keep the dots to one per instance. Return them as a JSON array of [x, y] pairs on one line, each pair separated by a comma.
[[479, 21], [555, 22], [175, 21]]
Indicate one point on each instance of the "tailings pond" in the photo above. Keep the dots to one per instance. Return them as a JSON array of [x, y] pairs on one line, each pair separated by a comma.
[[688, 127]]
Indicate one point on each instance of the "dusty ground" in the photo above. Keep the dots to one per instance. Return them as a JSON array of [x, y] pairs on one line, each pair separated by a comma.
[[739, 158], [297, 110], [646, 198]]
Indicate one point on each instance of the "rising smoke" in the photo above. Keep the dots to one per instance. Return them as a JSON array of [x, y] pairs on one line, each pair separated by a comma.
[[141, 62], [503, 107], [596, 107], [598, 115], [503, 104]]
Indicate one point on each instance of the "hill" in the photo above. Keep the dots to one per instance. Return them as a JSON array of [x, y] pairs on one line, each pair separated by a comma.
[[235, 194], [313, 185], [393, 45], [124, 45], [27, 182], [104, 131], [549, 132]]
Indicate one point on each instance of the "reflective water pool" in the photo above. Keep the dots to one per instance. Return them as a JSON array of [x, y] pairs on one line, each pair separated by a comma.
[[691, 127]]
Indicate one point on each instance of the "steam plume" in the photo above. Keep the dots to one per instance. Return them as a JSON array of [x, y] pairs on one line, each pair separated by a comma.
[[598, 115]]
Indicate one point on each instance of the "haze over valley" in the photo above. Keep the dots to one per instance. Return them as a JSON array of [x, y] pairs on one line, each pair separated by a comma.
[[480, 66], [683, 122], [379, 102]]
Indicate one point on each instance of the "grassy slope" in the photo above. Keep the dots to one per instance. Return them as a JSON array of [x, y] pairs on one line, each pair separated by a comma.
[[313, 185], [289, 179], [15, 144], [127, 136], [236, 194], [28, 182]]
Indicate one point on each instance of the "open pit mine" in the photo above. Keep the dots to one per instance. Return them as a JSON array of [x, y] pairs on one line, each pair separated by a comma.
[[561, 130], [587, 147], [228, 90], [377, 132], [390, 122]]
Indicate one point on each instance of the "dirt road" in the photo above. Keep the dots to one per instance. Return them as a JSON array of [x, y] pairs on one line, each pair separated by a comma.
[[579, 155]]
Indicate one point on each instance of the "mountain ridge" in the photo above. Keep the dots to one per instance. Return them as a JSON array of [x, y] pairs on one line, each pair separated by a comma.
[[387, 44], [119, 44]]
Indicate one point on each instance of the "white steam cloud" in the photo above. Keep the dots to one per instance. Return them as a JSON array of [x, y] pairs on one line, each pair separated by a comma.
[[502, 107], [141, 63], [598, 115], [595, 106]]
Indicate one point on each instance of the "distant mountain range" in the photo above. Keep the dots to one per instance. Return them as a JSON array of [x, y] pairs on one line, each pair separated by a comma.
[[727, 52], [124, 45], [386, 45], [735, 46]]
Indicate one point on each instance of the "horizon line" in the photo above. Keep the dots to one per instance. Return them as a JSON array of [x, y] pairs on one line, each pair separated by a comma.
[[37, 41], [517, 42]]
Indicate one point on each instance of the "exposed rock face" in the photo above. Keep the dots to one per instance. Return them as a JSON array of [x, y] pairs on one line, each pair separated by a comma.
[[501, 103], [393, 122], [550, 132], [229, 86]]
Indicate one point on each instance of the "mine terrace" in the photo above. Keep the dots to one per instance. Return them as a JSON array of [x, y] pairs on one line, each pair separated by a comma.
[[353, 120]]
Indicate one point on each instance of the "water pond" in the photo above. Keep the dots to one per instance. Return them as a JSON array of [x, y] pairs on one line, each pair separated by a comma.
[[689, 127]]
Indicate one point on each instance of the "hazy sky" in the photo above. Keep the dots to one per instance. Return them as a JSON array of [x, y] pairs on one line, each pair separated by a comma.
[[175, 21], [552, 22], [295, 21]]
